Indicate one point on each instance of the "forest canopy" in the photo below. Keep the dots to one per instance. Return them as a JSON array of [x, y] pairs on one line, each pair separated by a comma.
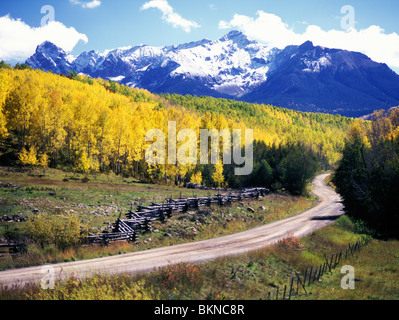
[[87, 125]]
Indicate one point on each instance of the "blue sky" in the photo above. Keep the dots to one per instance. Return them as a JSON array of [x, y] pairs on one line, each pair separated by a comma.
[[106, 24]]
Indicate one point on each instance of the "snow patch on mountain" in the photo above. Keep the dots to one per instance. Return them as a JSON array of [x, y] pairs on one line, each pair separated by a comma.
[[117, 79], [317, 65]]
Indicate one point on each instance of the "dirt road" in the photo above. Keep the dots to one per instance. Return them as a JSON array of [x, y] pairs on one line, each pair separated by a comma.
[[326, 211]]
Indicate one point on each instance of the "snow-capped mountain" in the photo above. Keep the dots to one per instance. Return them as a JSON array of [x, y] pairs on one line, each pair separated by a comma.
[[317, 79], [49, 57], [305, 77], [230, 66]]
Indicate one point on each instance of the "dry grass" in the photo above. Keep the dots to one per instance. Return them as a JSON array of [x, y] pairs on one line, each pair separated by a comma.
[[252, 276]]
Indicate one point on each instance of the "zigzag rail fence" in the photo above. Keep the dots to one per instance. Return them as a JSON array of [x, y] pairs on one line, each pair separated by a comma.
[[315, 273], [10, 247], [140, 220]]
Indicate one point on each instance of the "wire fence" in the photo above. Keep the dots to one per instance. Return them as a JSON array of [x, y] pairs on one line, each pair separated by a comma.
[[312, 274]]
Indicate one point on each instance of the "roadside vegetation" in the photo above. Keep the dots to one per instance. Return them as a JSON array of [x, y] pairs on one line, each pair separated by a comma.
[[248, 277]]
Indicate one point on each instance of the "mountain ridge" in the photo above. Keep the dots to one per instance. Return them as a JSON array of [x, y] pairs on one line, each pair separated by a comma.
[[304, 78]]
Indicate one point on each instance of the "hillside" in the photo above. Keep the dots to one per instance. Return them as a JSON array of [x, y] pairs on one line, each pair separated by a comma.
[[88, 125], [273, 125]]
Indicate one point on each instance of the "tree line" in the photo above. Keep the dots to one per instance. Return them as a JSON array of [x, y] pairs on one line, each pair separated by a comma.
[[368, 174]]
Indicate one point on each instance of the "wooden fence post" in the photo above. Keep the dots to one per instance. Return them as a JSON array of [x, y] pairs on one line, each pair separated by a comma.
[[319, 275], [292, 283], [285, 289], [310, 275], [304, 278], [299, 281], [315, 274], [277, 292], [297, 286], [335, 261]]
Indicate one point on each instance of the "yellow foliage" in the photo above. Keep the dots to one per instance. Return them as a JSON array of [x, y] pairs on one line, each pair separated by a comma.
[[5, 86], [62, 231], [385, 125], [196, 178], [217, 176], [95, 288], [28, 158], [274, 126], [394, 135], [43, 161], [84, 123], [83, 164]]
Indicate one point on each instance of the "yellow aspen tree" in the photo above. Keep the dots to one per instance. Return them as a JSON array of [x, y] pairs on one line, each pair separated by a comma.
[[104, 138], [21, 106], [28, 158], [119, 129], [5, 87], [23, 156], [83, 164], [43, 161], [196, 178], [54, 130], [217, 175]]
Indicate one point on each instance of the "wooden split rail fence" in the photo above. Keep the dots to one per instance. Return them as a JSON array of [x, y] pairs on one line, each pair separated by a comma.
[[140, 220], [9, 248]]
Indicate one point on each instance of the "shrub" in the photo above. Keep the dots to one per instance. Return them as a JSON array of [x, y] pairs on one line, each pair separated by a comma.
[[63, 231], [290, 243], [176, 281], [94, 288]]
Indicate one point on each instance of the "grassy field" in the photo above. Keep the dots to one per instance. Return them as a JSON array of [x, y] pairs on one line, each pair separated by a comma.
[[98, 202]]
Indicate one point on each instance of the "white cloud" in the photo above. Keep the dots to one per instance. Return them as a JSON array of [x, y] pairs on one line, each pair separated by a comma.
[[270, 29], [18, 41], [169, 15], [87, 5]]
